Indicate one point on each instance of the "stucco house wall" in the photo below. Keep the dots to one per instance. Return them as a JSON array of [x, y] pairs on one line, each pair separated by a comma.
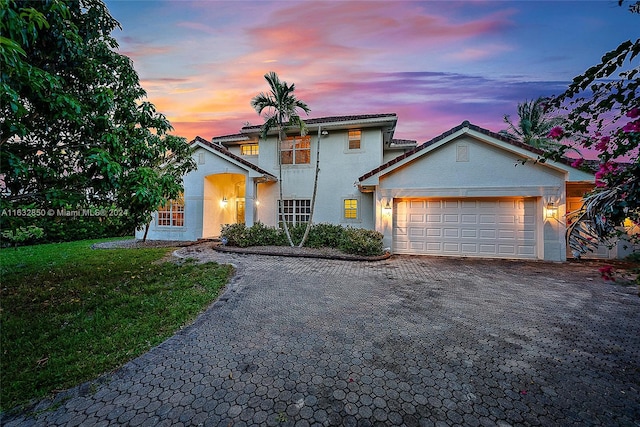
[[466, 166]]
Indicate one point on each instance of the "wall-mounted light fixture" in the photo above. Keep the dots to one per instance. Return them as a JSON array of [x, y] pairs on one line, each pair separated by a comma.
[[386, 209], [325, 133], [551, 211], [257, 202], [224, 202]]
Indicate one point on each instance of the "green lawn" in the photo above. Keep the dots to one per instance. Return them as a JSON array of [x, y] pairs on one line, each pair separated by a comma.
[[70, 313]]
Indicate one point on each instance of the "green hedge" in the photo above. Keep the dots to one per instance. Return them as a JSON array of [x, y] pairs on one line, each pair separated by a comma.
[[358, 241], [56, 228]]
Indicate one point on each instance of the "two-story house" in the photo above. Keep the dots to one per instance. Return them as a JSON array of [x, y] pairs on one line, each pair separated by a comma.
[[466, 192]]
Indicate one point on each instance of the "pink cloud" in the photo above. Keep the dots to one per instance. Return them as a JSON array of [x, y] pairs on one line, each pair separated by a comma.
[[208, 29]]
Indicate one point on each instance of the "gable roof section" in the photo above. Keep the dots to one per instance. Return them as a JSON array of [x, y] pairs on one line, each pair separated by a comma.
[[223, 152], [461, 129], [236, 138], [333, 120]]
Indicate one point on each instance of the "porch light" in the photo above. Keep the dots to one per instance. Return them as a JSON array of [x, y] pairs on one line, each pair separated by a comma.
[[551, 211], [224, 202], [386, 210]]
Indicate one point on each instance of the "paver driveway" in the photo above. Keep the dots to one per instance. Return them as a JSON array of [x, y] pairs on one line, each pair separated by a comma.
[[406, 341]]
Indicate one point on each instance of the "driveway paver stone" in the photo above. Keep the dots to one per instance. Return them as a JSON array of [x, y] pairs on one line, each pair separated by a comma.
[[405, 341]]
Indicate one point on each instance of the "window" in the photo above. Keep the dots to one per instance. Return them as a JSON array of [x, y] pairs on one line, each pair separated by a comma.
[[296, 211], [354, 139], [350, 208], [296, 150], [249, 149], [171, 214]]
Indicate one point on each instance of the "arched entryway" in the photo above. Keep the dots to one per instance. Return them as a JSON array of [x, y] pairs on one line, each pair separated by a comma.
[[224, 202]]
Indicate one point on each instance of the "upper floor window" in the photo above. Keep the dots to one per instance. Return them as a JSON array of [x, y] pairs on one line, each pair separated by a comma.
[[296, 150], [171, 214], [249, 149], [354, 139], [351, 208]]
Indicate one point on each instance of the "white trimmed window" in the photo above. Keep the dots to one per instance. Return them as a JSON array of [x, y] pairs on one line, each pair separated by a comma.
[[171, 214], [355, 137], [296, 150], [249, 150], [296, 211], [350, 209]]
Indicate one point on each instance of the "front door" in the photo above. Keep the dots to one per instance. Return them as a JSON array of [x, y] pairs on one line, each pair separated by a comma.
[[240, 211]]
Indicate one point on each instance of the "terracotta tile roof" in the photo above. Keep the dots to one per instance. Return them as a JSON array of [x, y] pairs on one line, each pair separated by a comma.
[[448, 133], [229, 154], [239, 136], [331, 119], [403, 141]]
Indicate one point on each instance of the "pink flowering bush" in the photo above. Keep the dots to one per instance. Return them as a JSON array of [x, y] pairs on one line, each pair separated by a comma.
[[607, 273], [603, 114], [556, 133]]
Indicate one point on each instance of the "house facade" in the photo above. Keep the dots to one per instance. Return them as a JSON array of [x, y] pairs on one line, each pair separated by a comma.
[[467, 192]]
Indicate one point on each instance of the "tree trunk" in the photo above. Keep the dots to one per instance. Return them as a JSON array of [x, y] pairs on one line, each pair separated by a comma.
[[281, 204], [315, 191], [146, 230]]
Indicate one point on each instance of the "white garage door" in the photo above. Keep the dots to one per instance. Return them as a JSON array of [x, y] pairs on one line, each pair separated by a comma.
[[504, 228]]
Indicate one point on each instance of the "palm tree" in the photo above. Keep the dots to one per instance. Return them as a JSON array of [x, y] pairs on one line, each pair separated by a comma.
[[533, 125], [281, 105]]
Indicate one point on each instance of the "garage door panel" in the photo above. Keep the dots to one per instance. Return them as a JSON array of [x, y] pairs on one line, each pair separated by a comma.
[[451, 247], [526, 250], [416, 232], [470, 248], [506, 234], [528, 219], [434, 247], [466, 227], [469, 218], [486, 249], [437, 204], [487, 219], [488, 233], [452, 232], [451, 204], [526, 235], [434, 232], [418, 246], [469, 233]]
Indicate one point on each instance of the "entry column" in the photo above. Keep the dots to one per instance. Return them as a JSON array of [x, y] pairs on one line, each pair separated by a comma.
[[250, 201]]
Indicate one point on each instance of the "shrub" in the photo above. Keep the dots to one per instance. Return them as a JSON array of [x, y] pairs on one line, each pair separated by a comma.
[[261, 235], [27, 234], [236, 235], [296, 231], [360, 241], [357, 241], [325, 235]]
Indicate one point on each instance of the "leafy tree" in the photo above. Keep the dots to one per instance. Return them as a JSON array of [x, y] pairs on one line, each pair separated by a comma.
[[604, 114], [75, 128], [282, 111], [534, 124]]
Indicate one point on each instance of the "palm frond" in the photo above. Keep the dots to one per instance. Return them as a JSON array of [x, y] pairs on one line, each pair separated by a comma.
[[588, 226]]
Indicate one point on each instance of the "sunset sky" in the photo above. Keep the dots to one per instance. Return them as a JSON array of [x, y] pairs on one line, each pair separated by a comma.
[[434, 63]]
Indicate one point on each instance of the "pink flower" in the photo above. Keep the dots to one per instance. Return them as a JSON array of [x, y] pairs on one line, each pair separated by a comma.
[[633, 113], [605, 169], [556, 133], [632, 127], [606, 272], [577, 163], [604, 142]]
